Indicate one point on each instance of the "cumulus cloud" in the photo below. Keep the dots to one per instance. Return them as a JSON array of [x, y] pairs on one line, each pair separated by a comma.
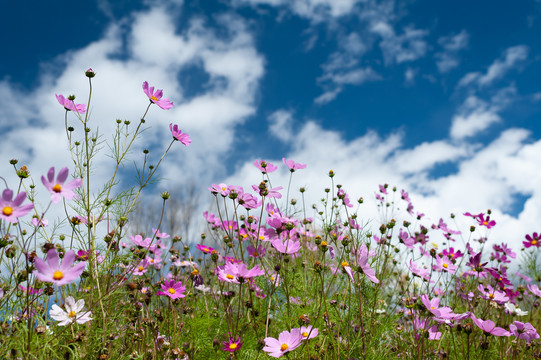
[[485, 176], [449, 58], [280, 124], [510, 59], [408, 46], [148, 49], [315, 10]]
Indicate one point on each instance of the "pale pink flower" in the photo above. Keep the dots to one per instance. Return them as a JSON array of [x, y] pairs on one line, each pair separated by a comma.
[[59, 189], [11, 209], [286, 342], [51, 271]]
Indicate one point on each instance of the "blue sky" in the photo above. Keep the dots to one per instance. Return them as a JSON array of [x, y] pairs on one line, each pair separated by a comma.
[[440, 98]]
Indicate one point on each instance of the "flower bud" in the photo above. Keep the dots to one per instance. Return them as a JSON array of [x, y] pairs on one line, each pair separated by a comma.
[[90, 73]]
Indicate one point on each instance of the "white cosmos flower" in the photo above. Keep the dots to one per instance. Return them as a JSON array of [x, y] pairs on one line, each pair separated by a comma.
[[512, 309], [73, 312]]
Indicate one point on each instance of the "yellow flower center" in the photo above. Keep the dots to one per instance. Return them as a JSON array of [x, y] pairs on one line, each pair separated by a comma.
[[534, 242], [230, 227], [432, 308], [57, 188], [71, 314], [261, 237], [195, 272], [491, 296], [305, 334], [140, 268], [58, 275], [445, 265], [485, 223], [224, 189], [256, 254], [7, 210], [153, 98], [323, 243], [284, 347], [171, 291], [345, 263], [230, 277], [232, 346]]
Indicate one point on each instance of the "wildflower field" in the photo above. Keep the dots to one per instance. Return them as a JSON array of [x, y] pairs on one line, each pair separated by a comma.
[[269, 276]]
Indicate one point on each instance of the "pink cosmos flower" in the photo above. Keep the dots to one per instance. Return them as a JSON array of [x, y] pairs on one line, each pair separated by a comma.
[[444, 312], [491, 294], [156, 97], [292, 165], [179, 135], [237, 272], [29, 289], [11, 209], [39, 223], [70, 105], [286, 246], [489, 327], [256, 253], [286, 342], [421, 272], [173, 289], [532, 240], [348, 270], [524, 331], [270, 193], [221, 189], [51, 271], [141, 268], [362, 261], [443, 263], [58, 188], [265, 167], [232, 345], [534, 289], [308, 332]]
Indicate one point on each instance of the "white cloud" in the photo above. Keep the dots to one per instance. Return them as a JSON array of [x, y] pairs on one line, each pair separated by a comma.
[[315, 10], [408, 46], [486, 176], [145, 48], [343, 68], [452, 44], [280, 124], [476, 115], [511, 58], [409, 76]]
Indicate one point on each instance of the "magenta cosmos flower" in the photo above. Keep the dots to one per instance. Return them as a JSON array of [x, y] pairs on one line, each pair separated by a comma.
[[524, 331], [205, 249], [173, 289], [59, 189], [292, 165], [51, 271], [179, 135], [11, 209], [286, 342], [70, 105], [232, 345], [532, 240], [156, 97]]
